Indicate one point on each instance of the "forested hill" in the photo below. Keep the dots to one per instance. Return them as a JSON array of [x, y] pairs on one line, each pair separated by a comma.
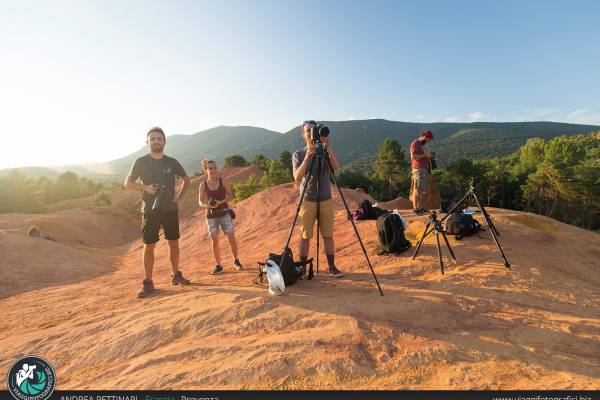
[[355, 142]]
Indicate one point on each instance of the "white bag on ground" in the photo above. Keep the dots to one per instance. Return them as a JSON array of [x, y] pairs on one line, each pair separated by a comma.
[[275, 278]]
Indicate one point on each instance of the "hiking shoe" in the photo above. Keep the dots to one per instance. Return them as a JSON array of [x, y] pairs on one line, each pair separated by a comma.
[[147, 288], [336, 273], [238, 265], [218, 270], [178, 279]]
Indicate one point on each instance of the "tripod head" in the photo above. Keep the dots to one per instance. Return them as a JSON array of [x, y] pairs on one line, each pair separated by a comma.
[[472, 184], [433, 215], [321, 148]]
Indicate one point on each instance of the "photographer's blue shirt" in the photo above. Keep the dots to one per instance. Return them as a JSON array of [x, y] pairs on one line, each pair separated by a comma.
[[324, 183], [161, 172]]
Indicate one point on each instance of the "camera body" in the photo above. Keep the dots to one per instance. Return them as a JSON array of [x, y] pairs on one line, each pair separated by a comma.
[[432, 162], [160, 190], [317, 132]]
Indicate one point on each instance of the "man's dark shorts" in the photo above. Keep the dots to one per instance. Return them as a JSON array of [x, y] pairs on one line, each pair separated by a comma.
[[152, 221]]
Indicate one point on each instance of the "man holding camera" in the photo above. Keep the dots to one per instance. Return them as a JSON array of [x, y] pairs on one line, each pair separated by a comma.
[[308, 211], [157, 172], [419, 160]]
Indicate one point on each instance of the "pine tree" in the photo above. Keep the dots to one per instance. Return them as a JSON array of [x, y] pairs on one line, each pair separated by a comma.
[[391, 165], [286, 159]]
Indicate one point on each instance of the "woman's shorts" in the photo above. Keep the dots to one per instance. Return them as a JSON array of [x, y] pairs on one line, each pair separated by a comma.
[[225, 222]]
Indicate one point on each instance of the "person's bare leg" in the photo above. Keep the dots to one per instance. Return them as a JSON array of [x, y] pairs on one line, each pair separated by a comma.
[[233, 244], [303, 248], [329, 246], [149, 260], [418, 199], [174, 255], [330, 253], [414, 199], [216, 248]]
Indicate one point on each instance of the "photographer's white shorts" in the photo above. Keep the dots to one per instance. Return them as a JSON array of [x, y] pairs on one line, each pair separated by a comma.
[[225, 222]]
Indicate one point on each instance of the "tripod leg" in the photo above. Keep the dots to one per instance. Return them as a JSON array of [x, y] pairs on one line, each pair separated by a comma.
[[318, 233], [319, 171], [490, 225], [439, 249], [447, 243], [425, 233], [455, 206], [353, 224], [287, 243]]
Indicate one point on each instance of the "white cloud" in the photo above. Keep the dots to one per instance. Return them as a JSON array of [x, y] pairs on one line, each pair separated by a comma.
[[536, 114], [420, 118], [476, 116], [452, 119], [584, 116]]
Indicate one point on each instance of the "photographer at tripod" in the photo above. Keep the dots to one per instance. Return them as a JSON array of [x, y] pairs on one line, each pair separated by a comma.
[[317, 204]]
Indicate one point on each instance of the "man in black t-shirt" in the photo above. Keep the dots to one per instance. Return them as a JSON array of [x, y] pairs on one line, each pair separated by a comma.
[[157, 172]]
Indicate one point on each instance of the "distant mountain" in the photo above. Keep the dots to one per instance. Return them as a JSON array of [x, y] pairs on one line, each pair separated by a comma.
[[356, 142], [215, 143], [32, 172]]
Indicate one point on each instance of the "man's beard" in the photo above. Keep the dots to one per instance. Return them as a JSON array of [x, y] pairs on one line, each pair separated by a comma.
[[157, 148]]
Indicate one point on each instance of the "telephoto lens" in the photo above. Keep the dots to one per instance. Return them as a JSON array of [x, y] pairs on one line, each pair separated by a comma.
[[432, 163], [323, 130]]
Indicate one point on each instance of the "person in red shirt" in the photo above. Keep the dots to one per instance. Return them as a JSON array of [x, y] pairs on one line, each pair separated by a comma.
[[419, 159]]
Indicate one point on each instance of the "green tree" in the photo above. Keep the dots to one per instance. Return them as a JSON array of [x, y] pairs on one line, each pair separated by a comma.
[[235, 161], [531, 154], [391, 165], [19, 194], [276, 174], [259, 161], [103, 197], [66, 187], [243, 190], [285, 157]]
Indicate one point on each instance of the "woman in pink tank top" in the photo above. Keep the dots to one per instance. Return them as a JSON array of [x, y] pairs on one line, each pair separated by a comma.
[[214, 193]]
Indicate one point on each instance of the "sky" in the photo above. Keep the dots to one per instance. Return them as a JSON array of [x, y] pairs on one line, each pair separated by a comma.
[[83, 81]]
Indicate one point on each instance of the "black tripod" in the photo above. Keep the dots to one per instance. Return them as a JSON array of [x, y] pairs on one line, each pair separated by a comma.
[[322, 154], [435, 225], [488, 220]]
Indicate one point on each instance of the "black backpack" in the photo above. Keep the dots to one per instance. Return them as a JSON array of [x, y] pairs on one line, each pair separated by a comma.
[[291, 270], [368, 211], [461, 225], [391, 234]]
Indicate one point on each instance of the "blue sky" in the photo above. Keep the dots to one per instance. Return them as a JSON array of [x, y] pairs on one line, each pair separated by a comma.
[[82, 81]]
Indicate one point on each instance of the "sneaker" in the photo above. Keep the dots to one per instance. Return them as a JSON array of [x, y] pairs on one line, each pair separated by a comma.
[[336, 273], [218, 270], [178, 279], [238, 265], [147, 288]]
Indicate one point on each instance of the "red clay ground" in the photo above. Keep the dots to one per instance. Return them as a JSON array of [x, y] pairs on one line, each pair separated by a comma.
[[478, 327]]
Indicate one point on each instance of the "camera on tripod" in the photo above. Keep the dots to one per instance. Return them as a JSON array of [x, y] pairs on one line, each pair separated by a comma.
[[317, 132], [160, 190]]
